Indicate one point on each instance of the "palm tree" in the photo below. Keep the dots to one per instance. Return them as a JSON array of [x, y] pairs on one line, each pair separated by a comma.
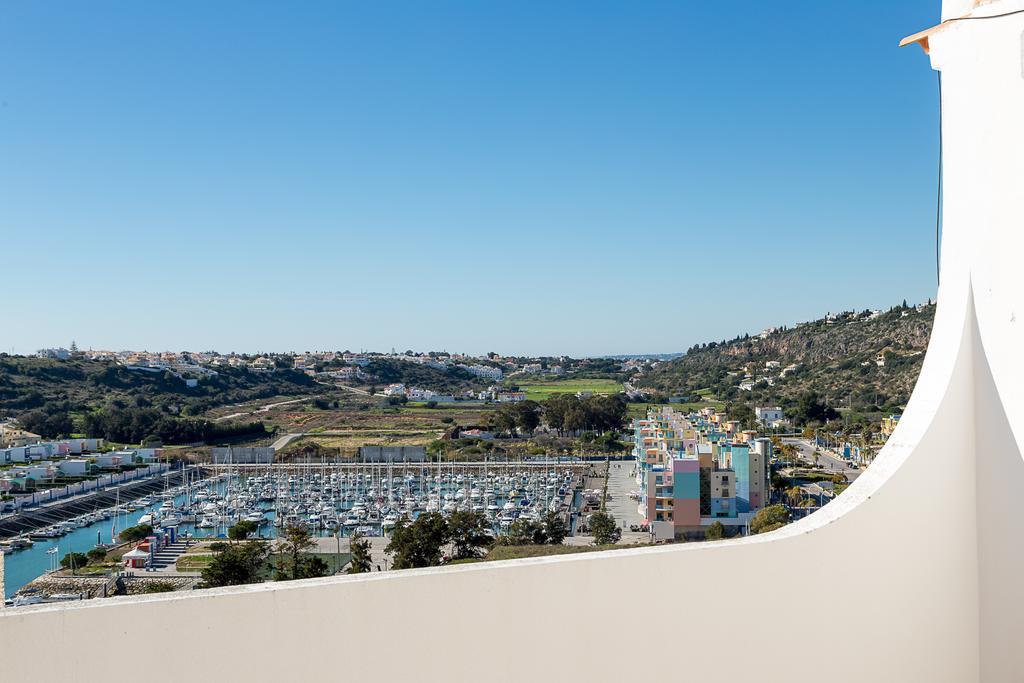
[[794, 496]]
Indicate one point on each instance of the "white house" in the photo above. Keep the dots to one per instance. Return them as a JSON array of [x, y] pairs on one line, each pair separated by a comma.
[[108, 460], [484, 372], [73, 467], [768, 415], [39, 451], [79, 446], [132, 455], [17, 454], [419, 394], [59, 354], [37, 472]]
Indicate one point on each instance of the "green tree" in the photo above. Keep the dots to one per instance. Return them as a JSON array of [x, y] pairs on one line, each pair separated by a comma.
[[504, 420], [437, 447], [47, 425], [554, 410], [603, 527], [74, 561], [769, 519], [135, 533], [241, 530], [360, 549], [715, 531], [527, 416], [97, 555], [555, 530], [525, 532], [294, 560], [810, 408], [742, 413], [235, 564], [468, 533], [419, 543]]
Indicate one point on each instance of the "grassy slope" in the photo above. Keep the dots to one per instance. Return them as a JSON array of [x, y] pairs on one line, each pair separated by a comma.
[[539, 390]]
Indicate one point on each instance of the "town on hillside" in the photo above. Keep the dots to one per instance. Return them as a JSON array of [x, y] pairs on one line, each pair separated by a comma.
[[128, 471]]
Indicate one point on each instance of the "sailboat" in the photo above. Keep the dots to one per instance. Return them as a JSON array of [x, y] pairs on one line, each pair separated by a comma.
[[113, 525]]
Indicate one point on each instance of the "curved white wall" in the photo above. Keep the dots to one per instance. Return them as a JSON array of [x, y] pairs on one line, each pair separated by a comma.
[[912, 575], [982, 65]]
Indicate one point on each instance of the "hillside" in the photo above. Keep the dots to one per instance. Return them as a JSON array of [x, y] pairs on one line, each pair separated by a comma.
[[27, 382], [386, 371], [859, 361]]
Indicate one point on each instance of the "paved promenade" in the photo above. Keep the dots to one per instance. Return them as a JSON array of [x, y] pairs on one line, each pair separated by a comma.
[[620, 484]]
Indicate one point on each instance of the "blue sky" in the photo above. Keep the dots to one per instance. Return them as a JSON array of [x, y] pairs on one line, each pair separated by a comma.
[[530, 177]]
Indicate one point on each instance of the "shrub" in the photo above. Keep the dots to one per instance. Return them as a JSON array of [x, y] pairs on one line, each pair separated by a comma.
[[135, 533], [74, 561], [715, 531], [158, 587], [769, 519], [604, 528]]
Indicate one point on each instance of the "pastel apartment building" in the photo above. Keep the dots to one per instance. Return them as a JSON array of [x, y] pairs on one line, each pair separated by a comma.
[[889, 424], [693, 470]]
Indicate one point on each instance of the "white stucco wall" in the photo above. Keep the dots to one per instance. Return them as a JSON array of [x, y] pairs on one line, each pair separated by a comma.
[[982, 65], [913, 574]]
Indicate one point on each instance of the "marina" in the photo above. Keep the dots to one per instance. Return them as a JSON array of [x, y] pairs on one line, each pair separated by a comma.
[[328, 499]]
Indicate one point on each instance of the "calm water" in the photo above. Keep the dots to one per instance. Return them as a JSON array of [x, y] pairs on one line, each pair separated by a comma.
[[23, 566]]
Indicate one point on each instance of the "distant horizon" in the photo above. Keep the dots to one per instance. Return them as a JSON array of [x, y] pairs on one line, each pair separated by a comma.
[[397, 350], [586, 178]]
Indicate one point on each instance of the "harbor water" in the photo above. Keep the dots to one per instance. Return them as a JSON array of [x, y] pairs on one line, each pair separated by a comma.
[[327, 502]]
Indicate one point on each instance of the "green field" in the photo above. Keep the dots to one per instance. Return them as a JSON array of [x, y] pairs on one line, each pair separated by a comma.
[[538, 390], [640, 409]]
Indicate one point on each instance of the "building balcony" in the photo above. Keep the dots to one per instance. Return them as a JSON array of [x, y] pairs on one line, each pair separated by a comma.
[[939, 602]]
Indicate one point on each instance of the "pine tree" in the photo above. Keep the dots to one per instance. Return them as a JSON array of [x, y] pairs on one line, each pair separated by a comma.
[[360, 548]]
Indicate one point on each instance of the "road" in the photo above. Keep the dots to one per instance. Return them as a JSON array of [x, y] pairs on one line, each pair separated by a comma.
[[265, 409], [270, 406], [354, 390], [285, 440], [829, 461]]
